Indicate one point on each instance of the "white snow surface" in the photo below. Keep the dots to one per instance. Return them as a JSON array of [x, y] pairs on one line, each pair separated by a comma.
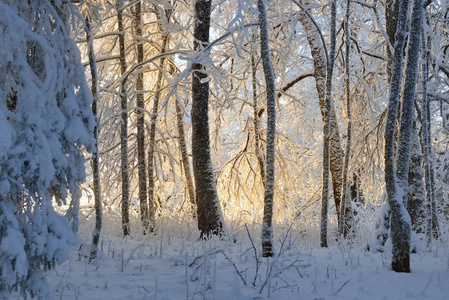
[[148, 271]]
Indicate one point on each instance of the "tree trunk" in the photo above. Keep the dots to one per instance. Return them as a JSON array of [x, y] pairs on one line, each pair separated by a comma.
[[397, 183], [124, 124], [425, 136], [185, 158], [210, 220], [320, 68], [267, 227], [140, 104], [256, 118], [345, 194], [95, 158], [391, 20], [327, 127], [416, 190], [154, 113]]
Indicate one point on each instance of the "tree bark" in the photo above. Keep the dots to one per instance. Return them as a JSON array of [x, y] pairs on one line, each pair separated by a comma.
[[124, 124], [416, 190], [140, 104], [210, 220], [397, 182], [95, 158], [256, 118], [185, 158], [344, 193], [327, 128], [267, 226]]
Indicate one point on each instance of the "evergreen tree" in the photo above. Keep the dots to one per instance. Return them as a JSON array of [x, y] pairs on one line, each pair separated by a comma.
[[46, 121]]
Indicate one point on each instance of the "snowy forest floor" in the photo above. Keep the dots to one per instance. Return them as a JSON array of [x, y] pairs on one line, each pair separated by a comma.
[[167, 267]]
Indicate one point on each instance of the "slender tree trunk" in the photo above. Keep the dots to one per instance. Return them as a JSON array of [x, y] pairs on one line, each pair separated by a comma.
[[326, 130], [124, 124], [185, 158], [319, 55], [140, 104], [95, 158], [267, 226], [432, 224], [210, 220], [256, 119], [426, 141], [154, 113], [345, 195]]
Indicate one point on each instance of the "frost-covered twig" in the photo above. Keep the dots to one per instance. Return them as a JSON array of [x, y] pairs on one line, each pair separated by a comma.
[[235, 267], [342, 286], [281, 250], [256, 257], [427, 285], [132, 253]]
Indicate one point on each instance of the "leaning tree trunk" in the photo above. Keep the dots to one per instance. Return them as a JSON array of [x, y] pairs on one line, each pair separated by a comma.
[[154, 113], [267, 227], [124, 124], [95, 158], [140, 104], [326, 130], [210, 220], [345, 194], [318, 52]]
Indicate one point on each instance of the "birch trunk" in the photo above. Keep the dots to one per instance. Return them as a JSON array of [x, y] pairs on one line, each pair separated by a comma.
[[140, 104], [267, 226], [95, 158], [210, 220], [124, 124]]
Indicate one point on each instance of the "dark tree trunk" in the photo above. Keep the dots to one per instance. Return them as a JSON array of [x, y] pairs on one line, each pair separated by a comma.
[[124, 124], [343, 230], [140, 104], [391, 20], [95, 158], [208, 206]]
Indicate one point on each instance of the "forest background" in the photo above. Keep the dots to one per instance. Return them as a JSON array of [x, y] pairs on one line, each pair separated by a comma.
[[208, 118]]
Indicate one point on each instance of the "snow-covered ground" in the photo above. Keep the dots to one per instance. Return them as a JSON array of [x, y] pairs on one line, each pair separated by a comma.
[[167, 267]]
